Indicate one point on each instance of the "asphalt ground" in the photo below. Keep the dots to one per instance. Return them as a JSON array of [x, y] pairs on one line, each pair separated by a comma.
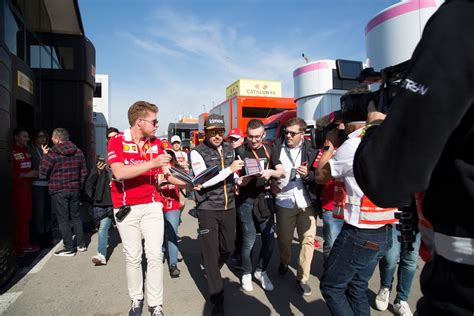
[[74, 286]]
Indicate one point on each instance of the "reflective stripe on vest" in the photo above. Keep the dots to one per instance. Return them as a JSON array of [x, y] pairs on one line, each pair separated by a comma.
[[370, 214], [339, 200], [455, 249]]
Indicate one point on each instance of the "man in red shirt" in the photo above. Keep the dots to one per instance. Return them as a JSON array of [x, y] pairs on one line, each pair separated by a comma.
[[136, 158], [23, 176], [331, 225]]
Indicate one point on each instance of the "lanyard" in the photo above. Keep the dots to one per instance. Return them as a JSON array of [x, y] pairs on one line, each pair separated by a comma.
[[258, 158], [287, 151]]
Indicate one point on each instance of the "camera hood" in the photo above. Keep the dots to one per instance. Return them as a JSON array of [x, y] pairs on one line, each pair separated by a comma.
[[354, 106]]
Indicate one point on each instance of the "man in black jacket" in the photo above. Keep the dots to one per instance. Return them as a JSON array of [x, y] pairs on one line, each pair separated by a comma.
[[293, 202], [255, 205], [97, 188], [427, 140], [215, 204]]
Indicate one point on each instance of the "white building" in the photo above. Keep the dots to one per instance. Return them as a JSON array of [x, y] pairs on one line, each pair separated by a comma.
[[101, 114]]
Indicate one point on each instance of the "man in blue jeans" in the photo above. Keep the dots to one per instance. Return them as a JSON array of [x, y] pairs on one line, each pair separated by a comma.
[[97, 188], [366, 235], [406, 274], [65, 168], [255, 205]]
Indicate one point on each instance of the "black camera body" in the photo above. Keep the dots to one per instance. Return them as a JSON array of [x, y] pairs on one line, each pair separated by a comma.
[[354, 106]]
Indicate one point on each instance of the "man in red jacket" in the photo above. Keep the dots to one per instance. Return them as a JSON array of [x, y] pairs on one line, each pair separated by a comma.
[[22, 178]]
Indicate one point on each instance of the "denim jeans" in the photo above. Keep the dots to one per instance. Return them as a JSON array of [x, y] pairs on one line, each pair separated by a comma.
[[103, 234], [406, 268], [249, 235], [350, 265], [331, 229], [65, 205], [171, 230]]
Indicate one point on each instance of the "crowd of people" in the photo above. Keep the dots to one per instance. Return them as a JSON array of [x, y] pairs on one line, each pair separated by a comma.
[[356, 182]]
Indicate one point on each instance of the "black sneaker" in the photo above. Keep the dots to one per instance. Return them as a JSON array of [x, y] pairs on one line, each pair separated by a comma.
[[136, 308], [156, 310], [64, 253], [282, 268], [304, 288], [174, 271]]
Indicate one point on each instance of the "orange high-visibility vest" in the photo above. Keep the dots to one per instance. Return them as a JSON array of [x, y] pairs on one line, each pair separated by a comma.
[[426, 230], [370, 214]]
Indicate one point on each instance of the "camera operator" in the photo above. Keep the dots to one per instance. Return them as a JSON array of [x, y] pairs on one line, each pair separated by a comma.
[[332, 135], [366, 233], [436, 95]]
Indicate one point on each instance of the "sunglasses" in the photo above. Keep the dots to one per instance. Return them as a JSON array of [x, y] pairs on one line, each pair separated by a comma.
[[154, 122], [292, 134], [214, 132]]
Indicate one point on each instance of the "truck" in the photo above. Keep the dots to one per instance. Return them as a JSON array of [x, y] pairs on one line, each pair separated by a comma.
[[275, 126], [239, 110]]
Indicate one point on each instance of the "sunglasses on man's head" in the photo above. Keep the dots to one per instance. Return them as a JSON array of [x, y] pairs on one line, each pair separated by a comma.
[[214, 132]]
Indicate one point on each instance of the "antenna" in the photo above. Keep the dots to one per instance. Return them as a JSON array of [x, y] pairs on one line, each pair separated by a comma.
[[305, 58], [204, 108]]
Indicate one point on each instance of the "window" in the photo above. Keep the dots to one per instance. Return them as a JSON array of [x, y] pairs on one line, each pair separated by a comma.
[[50, 57], [98, 90], [12, 29], [260, 112]]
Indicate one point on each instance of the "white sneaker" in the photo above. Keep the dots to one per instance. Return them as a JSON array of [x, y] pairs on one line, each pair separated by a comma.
[[99, 259], [262, 277], [247, 282], [381, 300], [402, 308]]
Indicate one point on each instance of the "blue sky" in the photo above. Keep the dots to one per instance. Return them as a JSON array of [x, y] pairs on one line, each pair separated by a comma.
[[182, 54]]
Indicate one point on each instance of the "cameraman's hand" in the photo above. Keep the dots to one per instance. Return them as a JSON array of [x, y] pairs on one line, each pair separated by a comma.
[[237, 165], [374, 116]]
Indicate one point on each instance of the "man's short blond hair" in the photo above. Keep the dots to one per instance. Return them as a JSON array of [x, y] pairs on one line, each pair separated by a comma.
[[61, 133], [139, 109]]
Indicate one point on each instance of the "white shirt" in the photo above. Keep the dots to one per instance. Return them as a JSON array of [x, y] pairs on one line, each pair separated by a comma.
[[199, 165], [293, 193], [342, 169]]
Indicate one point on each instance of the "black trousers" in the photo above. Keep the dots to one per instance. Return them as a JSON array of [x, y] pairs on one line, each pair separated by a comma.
[[66, 205], [217, 237], [448, 288]]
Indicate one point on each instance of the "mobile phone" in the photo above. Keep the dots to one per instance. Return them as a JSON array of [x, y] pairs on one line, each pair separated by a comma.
[[122, 212]]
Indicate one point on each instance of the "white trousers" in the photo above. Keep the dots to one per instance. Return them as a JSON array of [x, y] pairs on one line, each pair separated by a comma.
[[145, 221]]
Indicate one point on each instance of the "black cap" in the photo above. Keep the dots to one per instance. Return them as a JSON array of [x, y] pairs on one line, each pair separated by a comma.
[[214, 121]]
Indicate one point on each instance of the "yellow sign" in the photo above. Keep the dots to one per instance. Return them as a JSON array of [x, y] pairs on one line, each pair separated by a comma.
[[25, 82], [250, 87]]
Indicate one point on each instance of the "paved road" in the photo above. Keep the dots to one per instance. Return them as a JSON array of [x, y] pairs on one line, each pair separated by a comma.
[[73, 286]]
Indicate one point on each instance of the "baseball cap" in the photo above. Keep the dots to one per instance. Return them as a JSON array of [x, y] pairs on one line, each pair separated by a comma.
[[235, 133], [175, 138], [334, 118], [214, 121]]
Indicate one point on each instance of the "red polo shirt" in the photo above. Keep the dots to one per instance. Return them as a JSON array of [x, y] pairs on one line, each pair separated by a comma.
[[21, 164], [327, 193], [142, 189]]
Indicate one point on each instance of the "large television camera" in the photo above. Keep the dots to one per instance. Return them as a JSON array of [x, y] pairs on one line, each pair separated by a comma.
[[388, 79]]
